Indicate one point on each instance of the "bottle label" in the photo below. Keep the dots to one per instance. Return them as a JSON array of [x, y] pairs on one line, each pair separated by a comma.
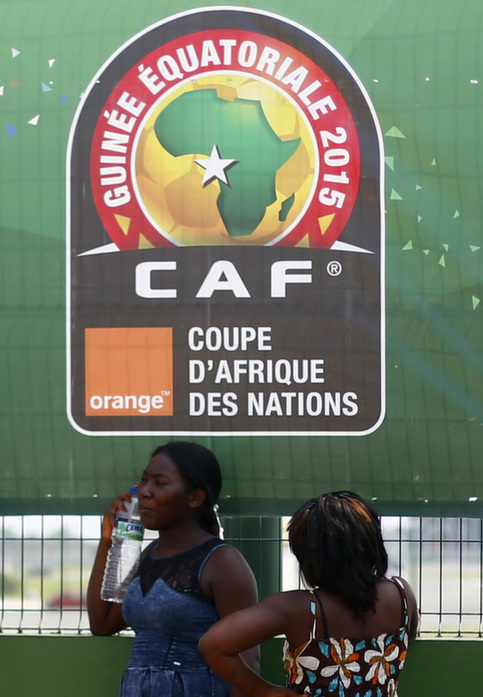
[[129, 530]]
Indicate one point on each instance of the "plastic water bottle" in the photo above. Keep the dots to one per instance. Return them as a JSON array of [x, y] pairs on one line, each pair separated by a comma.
[[123, 556]]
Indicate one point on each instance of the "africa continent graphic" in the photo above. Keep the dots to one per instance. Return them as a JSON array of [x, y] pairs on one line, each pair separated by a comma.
[[225, 165]]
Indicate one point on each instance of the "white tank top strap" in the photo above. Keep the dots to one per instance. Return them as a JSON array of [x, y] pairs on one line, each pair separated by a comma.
[[404, 601], [313, 612]]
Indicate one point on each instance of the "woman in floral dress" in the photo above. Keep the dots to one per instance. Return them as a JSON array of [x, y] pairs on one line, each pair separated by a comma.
[[347, 634]]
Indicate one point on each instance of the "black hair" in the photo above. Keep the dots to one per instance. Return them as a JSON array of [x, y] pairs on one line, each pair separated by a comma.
[[201, 470], [338, 543]]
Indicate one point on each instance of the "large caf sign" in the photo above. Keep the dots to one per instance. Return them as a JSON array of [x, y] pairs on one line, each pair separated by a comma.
[[225, 241]]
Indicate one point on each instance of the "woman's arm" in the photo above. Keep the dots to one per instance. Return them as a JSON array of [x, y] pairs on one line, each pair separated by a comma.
[[414, 620], [223, 645], [104, 617], [229, 580], [413, 612]]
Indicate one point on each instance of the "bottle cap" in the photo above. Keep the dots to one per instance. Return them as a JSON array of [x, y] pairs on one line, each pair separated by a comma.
[[134, 489]]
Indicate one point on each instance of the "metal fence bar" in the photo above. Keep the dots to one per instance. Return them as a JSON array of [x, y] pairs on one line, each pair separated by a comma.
[[42, 576], [22, 577], [441, 550], [460, 576], [480, 547], [46, 562]]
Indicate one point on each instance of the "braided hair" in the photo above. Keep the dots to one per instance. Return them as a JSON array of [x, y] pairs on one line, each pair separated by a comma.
[[338, 543]]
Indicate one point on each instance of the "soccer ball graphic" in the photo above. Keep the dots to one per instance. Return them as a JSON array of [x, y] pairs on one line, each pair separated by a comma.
[[224, 159]]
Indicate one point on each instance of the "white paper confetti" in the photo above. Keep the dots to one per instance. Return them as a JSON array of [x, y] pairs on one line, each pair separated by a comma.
[[394, 132]]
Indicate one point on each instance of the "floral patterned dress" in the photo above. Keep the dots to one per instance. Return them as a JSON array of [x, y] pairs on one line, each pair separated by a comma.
[[347, 667]]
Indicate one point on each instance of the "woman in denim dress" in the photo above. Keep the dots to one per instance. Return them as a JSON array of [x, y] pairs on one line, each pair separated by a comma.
[[187, 579]]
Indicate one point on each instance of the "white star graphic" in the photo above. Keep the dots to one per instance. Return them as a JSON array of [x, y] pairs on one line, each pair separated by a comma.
[[215, 167]]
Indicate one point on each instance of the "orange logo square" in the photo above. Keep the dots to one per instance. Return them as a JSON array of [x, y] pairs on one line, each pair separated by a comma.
[[129, 371]]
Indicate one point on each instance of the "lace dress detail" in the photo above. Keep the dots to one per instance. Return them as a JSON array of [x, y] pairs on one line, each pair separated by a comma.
[[180, 571], [348, 667]]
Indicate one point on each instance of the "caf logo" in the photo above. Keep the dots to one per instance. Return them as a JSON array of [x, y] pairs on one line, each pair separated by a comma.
[[225, 127], [225, 175]]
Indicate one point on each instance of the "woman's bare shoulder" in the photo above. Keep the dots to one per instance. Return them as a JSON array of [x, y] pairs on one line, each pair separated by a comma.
[[290, 600]]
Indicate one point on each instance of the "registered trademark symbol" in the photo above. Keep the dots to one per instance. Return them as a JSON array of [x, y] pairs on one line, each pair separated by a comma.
[[334, 268]]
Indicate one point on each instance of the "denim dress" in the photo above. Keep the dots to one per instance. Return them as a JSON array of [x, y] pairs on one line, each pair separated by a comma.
[[168, 611]]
